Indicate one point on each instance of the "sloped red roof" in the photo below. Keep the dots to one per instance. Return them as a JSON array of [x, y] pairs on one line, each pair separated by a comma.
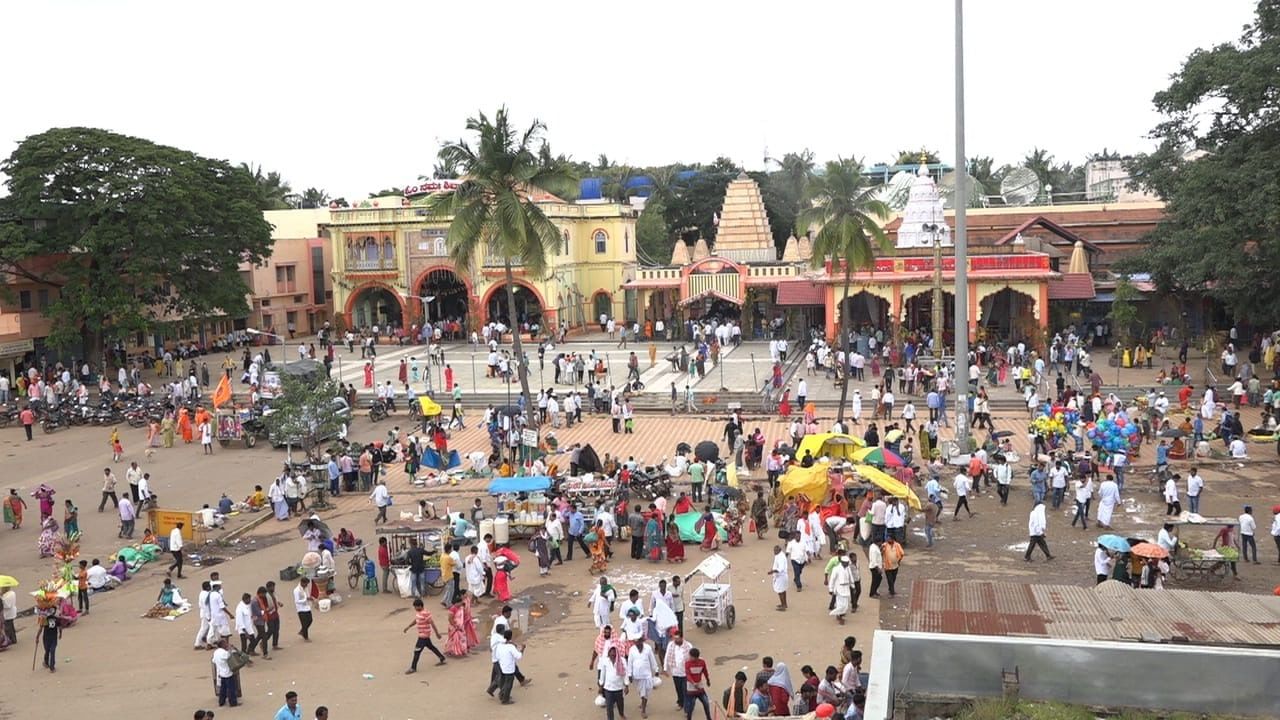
[[1072, 286], [800, 292], [1052, 227]]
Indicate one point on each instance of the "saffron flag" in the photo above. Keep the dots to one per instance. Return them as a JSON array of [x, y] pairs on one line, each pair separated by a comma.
[[222, 394]]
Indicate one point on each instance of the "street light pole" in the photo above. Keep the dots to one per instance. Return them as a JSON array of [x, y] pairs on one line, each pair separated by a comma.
[[962, 248], [939, 344]]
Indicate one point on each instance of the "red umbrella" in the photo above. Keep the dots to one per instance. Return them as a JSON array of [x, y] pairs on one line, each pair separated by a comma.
[[1149, 550]]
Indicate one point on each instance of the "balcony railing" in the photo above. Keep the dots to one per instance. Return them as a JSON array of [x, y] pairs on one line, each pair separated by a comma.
[[374, 264]]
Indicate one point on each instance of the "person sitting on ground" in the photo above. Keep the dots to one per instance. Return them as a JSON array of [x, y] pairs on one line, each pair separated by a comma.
[[120, 570], [257, 500], [149, 537], [426, 509], [346, 539], [170, 596], [225, 506], [99, 579], [211, 518]]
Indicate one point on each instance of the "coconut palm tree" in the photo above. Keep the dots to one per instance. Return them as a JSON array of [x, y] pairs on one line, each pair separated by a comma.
[[842, 205], [491, 212], [315, 198], [273, 191]]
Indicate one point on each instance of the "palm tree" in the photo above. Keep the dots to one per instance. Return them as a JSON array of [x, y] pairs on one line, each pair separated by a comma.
[[983, 174], [491, 212], [315, 198], [273, 192], [842, 204], [1040, 162]]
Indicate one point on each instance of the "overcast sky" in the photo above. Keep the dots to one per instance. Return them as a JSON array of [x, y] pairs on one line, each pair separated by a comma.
[[354, 97]]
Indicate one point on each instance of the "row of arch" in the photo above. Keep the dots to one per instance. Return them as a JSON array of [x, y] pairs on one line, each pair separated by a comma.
[[444, 295]]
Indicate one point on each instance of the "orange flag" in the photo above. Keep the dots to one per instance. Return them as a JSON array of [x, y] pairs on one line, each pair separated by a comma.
[[222, 394]]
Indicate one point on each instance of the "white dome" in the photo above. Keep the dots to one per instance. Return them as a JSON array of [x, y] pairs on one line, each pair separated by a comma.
[[924, 207]]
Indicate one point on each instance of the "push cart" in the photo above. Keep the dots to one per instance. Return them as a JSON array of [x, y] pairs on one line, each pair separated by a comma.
[[712, 601], [230, 426]]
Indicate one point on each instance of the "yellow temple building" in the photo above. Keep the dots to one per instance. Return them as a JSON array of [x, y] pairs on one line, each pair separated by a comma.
[[391, 268]]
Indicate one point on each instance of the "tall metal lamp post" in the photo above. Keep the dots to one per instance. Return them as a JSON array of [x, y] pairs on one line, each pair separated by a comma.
[[962, 248]]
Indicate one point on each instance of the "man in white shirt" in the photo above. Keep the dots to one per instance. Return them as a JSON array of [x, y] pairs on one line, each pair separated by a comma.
[[1275, 531], [895, 520], [673, 663], [1248, 526], [798, 554], [302, 603], [381, 498], [1084, 495], [1173, 506], [175, 549], [219, 616], [507, 655], [1195, 486], [1102, 564], [642, 667], [1036, 526], [1004, 478], [9, 599], [1058, 481], [134, 476], [202, 602], [961, 485], [1238, 450], [228, 693]]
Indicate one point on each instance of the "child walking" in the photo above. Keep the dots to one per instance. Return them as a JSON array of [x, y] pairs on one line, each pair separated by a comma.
[[117, 450]]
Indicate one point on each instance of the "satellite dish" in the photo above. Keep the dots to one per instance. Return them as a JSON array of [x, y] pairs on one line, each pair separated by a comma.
[[896, 192], [947, 190], [1020, 187]]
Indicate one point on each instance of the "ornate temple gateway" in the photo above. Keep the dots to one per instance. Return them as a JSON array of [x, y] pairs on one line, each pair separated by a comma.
[[1011, 279]]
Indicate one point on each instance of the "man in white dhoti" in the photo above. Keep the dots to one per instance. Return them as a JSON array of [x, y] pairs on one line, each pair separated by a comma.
[[1108, 497], [642, 667], [780, 574], [840, 584], [601, 601], [856, 406], [814, 534], [474, 569]]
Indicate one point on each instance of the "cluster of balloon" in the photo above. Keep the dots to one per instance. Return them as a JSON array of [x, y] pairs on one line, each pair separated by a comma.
[[1112, 435], [1054, 420]]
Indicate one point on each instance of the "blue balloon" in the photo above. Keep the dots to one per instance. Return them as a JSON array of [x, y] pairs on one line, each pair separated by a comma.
[[1130, 430]]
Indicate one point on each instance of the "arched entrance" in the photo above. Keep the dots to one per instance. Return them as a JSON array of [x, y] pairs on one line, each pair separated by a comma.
[[866, 311], [528, 306], [601, 304], [919, 312], [1009, 315], [448, 295], [375, 305]]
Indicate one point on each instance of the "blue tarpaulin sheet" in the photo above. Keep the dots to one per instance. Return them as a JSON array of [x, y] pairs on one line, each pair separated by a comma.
[[431, 459], [529, 483]]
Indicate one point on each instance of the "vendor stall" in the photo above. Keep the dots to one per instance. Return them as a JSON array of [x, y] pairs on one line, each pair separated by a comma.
[[522, 504]]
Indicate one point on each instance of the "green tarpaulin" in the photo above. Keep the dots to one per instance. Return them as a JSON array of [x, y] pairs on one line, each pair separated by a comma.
[[687, 521]]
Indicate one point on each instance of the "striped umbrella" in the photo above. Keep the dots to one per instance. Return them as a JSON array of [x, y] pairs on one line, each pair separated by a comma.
[[878, 456]]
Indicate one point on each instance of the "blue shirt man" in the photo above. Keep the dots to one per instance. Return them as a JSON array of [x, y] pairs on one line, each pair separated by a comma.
[[577, 523], [291, 710]]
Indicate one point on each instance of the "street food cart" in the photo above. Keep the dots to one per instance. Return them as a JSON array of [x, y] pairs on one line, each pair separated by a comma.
[[712, 601], [522, 503]]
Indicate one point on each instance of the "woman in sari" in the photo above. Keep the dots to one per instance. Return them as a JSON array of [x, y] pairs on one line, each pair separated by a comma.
[[468, 624], [166, 429], [710, 534], [540, 546], [456, 644], [780, 690], [368, 375], [45, 494], [71, 519], [675, 546], [653, 538], [784, 405], [184, 425], [13, 507], [505, 561], [599, 551], [153, 434], [48, 534]]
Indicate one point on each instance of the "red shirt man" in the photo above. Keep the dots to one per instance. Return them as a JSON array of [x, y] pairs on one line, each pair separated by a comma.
[[696, 675]]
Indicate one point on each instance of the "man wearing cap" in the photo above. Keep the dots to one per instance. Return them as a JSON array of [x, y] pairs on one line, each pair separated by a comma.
[[840, 583]]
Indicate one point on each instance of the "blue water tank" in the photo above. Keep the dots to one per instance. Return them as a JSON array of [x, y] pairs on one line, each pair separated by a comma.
[[640, 185], [591, 189]]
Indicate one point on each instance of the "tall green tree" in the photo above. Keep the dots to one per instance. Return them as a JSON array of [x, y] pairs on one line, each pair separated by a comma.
[[1220, 235], [491, 213], [304, 413], [912, 157], [1040, 162], [274, 192], [783, 192], [983, 174], [850, 220], [1124, 311], [653, 236], [130, 232]]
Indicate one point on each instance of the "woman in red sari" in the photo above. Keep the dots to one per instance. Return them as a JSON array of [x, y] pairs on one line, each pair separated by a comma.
[[184, 425], [710, 534], [506, 560], [368, 374], [784, 406], [675, 548]]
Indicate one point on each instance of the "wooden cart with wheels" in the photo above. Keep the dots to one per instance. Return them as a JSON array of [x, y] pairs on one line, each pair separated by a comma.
[[229, 427]]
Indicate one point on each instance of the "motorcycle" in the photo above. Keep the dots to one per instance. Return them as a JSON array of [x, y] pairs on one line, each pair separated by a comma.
[[51, 421], [378, 410]]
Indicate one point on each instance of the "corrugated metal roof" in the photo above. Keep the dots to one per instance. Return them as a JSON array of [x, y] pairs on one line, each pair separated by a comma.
[[1111, 611]]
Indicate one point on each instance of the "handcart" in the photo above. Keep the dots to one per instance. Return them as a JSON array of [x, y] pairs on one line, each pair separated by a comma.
[[712, 601], [1196, 565], [429, 540], [230, 426]]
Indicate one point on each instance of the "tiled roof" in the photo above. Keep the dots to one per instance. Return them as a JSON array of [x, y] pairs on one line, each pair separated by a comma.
[[1072, 286], [800, 292]]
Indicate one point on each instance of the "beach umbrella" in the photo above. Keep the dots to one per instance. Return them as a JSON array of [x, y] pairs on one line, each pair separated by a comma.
[[879, 456], [1114, 543], [1149, 550], [892, 436], [706, 450], [889, 484], [8, 581]]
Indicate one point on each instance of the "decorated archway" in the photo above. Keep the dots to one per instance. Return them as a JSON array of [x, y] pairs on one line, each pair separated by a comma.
[[1009, 314], [866, 309], [375, 303], [917, 311], [529, 305], [444, 295]]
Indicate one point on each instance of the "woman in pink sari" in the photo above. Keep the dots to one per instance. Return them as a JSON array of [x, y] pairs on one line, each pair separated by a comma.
[[469, 624], [456, 645]]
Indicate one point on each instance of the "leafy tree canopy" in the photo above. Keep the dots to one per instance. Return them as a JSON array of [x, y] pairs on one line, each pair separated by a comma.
[[304, 414], [1221, 231], [274, 192], [912, 157], [138, 232]]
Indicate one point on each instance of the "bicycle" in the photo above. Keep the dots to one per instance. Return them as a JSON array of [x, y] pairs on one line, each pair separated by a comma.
[[355, 568]]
